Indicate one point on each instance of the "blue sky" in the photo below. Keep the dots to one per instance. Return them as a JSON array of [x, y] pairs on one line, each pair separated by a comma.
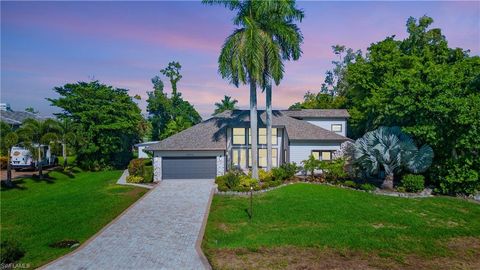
[[124, 44]]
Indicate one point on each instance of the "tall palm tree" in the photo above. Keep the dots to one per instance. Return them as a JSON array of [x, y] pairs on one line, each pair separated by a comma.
[[227, 103], [34, 133], [251, 54], [9, 140]]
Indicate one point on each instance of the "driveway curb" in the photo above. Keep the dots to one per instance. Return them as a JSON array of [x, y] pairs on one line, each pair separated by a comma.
[[198, 244]]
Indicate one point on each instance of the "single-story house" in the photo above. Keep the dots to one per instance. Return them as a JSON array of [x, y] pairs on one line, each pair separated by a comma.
[[211, 147]]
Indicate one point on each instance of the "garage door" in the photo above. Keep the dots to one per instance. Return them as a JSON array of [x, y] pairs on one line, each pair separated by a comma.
[[189, 167]]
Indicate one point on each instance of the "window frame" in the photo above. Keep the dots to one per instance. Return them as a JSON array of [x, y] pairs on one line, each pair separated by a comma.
[[320, 154], [341, 127], [274, 135], [245, 142]]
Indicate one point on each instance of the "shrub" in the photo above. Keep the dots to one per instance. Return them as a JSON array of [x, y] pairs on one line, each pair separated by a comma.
[[413, 183], [333, 170], [350, 183], [3, 162], [136, 167], [134, 179], [246, 182], [290, 169], [265, 176], [148, 175], [279, 174], [11, 251], [232, 180], [367, 187], [401, 189], [311, 164], [221, 183]]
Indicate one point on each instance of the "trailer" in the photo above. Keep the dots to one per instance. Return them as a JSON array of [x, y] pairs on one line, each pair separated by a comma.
[[21, 158]]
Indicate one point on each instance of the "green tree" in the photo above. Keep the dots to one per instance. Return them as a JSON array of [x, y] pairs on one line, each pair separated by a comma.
[[253, 53], [108, 120], [158, 107], [310, 165], [175, 126], [428, 89], [67, 137], [172, 71], [4, 130], [227, 103], [35, 133]]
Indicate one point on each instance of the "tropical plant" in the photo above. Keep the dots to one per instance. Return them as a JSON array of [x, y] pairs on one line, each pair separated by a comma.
[[227, 103], [333, 170], [252, 53], [391, 150], [35, 133], [9, 140], [310, 165], [67, 137]]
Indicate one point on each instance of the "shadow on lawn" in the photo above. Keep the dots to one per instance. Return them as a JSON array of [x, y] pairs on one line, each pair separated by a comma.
[[17, 184]]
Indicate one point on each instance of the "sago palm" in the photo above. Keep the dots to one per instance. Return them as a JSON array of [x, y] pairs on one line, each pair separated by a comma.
[[253, 52], [390, 149]]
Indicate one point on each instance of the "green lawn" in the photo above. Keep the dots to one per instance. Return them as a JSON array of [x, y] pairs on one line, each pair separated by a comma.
[[324, 217], [39, 212]]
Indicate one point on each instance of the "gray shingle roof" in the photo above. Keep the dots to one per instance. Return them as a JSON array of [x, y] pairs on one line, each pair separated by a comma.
[[210, 134], [16, 118], [317, 113]]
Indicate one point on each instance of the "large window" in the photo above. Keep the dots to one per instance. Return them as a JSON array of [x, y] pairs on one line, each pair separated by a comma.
[[262, 157], [239, 136], [322, 155], [239, 157], [262, 136], [336, 127]]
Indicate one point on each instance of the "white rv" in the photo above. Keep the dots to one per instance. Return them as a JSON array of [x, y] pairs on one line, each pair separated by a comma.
[[22, 158]]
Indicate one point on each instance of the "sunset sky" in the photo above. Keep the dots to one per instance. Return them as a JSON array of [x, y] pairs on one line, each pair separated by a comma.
[[124, 44]]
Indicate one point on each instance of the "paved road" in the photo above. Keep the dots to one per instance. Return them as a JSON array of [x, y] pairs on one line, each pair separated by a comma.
[[159, 232]]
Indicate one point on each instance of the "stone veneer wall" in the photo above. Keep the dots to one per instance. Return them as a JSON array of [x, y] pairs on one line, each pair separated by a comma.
[[157, 169], [220, 165]]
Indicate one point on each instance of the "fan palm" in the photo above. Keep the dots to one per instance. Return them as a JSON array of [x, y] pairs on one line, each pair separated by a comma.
[[391, 149], [227, 103], [253, 52], [34, 133]]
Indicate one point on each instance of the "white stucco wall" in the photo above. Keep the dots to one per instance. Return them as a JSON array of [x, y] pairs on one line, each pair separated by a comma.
[[300, 151], [157, 160], [141, 153], [326, 123]]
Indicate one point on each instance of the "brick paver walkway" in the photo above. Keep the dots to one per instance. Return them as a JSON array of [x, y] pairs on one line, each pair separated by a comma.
[[159, 232]]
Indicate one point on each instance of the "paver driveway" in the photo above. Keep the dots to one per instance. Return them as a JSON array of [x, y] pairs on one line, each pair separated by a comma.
[[158, 232]]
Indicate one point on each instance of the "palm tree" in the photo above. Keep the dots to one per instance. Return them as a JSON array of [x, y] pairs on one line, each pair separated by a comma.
[[227, 103], [391, 149], [9, 140], [34, 133], [253, 54], [67, 136]]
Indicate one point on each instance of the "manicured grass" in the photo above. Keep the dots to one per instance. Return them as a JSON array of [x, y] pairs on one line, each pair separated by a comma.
[[319, 216], [39, 212]]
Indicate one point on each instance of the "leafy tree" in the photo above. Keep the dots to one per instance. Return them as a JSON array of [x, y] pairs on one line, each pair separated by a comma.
[[175, 126], [34, 133], [9, 140], [253, 53], [428, 89], [172, 71], [4, 130], [227, 103], [159, 107], [108, 120], [320, 101], [391, 150]]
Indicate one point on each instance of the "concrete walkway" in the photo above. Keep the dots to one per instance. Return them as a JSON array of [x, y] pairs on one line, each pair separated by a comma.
[[161, 231]]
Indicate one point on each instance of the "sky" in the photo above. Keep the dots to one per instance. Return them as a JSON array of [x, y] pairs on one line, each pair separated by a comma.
[[125, 44]]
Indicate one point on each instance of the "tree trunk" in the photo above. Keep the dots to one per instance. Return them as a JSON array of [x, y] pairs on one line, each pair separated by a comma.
[[388, 182], [64, 154], [8, 183], [39, 163], [254, 129], [269, 126]]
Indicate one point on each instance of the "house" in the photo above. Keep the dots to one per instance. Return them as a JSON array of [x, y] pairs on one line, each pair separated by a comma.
[[16, 118], [211, 147]]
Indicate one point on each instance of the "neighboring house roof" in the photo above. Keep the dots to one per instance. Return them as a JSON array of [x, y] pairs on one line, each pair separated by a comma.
[[146, 143], [318, 113], [210, 134], [16, 118]]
